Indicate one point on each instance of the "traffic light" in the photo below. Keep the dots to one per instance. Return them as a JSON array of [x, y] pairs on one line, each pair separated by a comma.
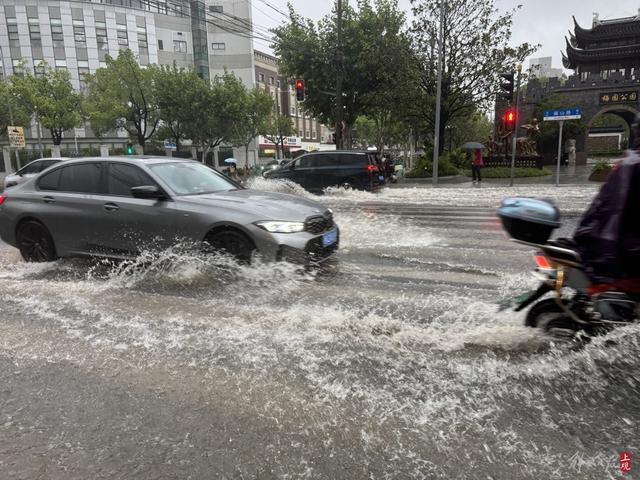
[[130, 149], [300, 90], [510, 117], [506, 87]]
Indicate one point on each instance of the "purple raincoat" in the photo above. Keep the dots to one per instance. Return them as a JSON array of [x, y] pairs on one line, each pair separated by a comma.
[[608, 237]]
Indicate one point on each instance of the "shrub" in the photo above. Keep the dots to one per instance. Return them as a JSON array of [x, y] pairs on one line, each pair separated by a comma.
[[602, 166], [424, 168], [461, 159], [505, 172]]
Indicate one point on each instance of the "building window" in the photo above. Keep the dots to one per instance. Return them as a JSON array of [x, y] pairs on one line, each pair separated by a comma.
[[216, 8], [293, 110], [218, 46], [39, 70], [16, 67], [160, 45], [61, 64], [261, 77], [306, 134], [314, 135], [83, 69], [180, 46], [12, 28], [56, 33], [101, 36], [278, 84], [142, 38], [79, 36], [300, 133], [271, 80], [123, 38]]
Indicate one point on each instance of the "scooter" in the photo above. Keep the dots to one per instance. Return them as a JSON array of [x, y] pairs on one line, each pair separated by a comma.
[[573, 307]]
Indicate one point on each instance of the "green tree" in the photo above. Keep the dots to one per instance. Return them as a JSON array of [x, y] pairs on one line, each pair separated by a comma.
[[278, 129], [50, 98], [377, 59], [381, 129], [10, 107], [476, 127], [475, 51], [256, 107], [122, 95], [219, 106], [176, 92]]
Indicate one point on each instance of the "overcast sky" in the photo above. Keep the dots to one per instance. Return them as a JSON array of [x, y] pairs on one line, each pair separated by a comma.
[[538, 21]]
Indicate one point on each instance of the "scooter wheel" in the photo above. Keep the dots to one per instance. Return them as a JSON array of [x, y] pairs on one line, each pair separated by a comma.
[[549, 317]]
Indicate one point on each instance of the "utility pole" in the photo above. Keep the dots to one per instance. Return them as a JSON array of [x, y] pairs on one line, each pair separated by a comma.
[[278, 156], [516, 126], [339, 81], [436, 135]]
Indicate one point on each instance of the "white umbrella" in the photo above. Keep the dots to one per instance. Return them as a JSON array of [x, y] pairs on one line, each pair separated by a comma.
[[231, 160]]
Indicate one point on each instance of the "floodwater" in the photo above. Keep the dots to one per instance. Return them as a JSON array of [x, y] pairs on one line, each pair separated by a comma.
[[391, 362]]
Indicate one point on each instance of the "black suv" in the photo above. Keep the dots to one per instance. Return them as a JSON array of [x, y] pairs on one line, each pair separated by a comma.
[[318, 170]]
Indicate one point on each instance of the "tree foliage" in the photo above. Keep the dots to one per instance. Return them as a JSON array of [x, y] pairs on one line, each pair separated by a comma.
[[475, 51], [11, 108], [176, 91], [122, 95], [377, 60], [279, 127], [50, 98], [256, 108]]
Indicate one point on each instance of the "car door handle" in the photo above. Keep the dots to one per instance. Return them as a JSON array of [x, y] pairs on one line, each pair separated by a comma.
[[111, 207], [48, 199]]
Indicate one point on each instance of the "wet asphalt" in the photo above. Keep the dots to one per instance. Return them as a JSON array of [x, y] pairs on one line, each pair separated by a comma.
[[391, 362]]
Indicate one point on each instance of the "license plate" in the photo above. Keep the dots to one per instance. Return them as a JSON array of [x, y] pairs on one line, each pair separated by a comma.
[[329, 238], [512, 302], [381, 178]]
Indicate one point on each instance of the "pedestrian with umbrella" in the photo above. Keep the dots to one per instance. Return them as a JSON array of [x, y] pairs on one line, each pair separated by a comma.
[[477, 161], [233, 170]]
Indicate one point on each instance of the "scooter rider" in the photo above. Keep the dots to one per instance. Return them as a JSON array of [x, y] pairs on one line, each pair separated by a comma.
[[608, 237]]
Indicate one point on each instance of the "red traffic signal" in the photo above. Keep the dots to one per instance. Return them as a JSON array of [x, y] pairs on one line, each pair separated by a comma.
[[300, 90], [510, 117]]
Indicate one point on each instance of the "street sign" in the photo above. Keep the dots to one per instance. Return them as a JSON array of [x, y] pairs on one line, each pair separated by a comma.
[[562, 114], [169, 145], [16, 137]]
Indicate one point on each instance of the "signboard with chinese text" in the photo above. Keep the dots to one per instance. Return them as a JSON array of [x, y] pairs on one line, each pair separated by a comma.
[[574, 113], [618, 97], [16, 137]]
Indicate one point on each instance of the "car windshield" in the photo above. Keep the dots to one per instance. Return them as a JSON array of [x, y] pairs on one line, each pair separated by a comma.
[[192, 178]]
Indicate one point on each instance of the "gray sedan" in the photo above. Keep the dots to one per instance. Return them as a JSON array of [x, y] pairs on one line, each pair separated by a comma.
[[118, 206]]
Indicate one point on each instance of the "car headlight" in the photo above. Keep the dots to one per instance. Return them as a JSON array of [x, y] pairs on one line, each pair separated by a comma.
[[281, 227]]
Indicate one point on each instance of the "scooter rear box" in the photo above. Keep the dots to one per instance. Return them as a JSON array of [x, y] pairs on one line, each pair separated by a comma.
[[530, 220]]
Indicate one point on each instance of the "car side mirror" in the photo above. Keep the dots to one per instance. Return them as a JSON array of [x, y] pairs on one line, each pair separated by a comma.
[[292, 166], [148, 192]]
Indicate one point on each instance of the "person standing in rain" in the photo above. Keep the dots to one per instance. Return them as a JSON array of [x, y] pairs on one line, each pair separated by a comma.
[[477, 162]]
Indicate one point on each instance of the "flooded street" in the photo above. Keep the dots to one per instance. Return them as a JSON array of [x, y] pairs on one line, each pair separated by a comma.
[[391, 362]]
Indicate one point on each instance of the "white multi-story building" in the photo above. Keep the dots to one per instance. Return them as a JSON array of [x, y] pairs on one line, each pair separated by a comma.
[[542, 67], [209, 36]]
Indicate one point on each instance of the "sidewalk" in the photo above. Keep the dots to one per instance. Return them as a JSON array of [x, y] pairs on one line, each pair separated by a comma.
[[579, 175]]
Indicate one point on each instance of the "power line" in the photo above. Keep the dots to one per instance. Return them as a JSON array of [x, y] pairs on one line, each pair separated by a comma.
[[275, 9]]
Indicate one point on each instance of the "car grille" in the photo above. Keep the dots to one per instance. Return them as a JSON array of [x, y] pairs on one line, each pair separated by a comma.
[[317, 225], [317, 252]]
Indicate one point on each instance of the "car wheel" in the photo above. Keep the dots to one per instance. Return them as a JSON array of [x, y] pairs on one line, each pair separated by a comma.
[[35, 242], [347, 185], [233, 243]]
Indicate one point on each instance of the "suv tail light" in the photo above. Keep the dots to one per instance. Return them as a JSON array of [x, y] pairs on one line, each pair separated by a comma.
[[372, 168], [2, 199]]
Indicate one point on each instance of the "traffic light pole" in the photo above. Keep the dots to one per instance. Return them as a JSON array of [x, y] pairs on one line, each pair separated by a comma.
[[516, 126]]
